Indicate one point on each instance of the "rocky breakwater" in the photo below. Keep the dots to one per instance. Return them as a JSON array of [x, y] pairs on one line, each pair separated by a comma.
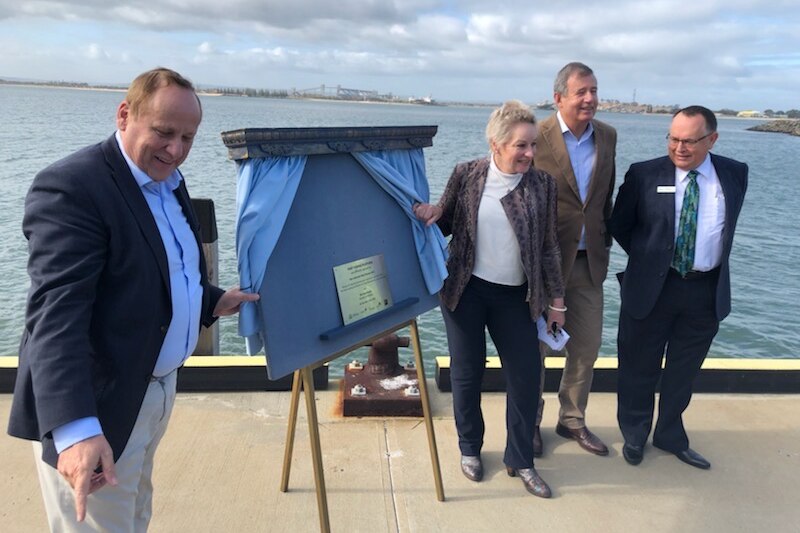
[[790, 126]]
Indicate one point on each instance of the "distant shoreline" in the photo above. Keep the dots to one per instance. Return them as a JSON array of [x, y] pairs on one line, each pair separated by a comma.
[[84, 88], [216, 92], [34, 85]]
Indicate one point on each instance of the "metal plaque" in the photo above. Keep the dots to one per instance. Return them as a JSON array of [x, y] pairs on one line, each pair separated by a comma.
[[363, 288]]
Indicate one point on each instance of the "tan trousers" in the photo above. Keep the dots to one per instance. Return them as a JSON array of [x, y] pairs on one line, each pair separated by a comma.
[[126, 507], [584, 323]]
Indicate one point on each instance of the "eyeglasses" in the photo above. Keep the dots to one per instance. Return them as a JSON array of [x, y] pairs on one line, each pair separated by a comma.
[[674, 141]]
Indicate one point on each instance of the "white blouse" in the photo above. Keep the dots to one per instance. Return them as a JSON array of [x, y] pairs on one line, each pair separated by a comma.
[[497, 255]]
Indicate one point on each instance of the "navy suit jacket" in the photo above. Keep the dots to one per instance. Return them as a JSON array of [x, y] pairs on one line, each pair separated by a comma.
[[99, 304], [643, 223]]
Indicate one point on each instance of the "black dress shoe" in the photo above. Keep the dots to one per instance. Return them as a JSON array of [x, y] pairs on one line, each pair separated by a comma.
[[586, 439], [472, 467], [532, 480], [691, 457], [538, 445], [632, 453]]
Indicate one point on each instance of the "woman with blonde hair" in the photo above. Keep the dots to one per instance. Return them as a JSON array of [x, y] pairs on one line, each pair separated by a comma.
[[504, 272]]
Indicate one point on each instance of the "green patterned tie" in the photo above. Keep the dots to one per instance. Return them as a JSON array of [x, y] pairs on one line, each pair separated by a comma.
[[683, 260]]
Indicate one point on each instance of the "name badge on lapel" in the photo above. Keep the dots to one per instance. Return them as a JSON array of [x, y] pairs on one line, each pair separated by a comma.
[[665, 189]]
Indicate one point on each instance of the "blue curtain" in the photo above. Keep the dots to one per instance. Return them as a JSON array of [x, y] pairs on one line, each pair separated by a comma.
[[265, 192], [401, 173]]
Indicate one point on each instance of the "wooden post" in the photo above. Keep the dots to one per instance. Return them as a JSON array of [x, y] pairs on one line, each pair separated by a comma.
[[208, 342]]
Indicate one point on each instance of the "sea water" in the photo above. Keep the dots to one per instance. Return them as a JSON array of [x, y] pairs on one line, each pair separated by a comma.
[[39, 125]]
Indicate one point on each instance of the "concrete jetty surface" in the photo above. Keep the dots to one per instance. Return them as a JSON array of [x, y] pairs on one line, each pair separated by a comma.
[[219, 469]]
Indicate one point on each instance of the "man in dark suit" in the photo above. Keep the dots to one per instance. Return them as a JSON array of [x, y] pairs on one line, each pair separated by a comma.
[[118, 293], [579, 151], [675, 216]]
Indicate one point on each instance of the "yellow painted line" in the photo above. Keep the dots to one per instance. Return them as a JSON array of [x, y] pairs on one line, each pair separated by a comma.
[[711, 363], [719, 363], [204, 361], [195, 361]]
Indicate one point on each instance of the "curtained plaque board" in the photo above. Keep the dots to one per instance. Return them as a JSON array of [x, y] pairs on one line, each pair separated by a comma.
[[339, 215]]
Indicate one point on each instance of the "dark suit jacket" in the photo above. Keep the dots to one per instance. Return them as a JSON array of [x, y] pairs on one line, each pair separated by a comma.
[[643, 223], [531, 211], [99, 304], [574, 214]]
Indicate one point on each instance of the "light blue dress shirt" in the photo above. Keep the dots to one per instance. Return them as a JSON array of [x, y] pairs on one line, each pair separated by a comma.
[[183, 258], [582, 155]]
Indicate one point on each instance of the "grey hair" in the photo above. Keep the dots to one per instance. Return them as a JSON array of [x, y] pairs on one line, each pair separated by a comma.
[[504, 118], [560, 85]]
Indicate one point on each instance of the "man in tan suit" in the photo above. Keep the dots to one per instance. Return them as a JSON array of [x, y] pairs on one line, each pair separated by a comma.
[[580, 153]]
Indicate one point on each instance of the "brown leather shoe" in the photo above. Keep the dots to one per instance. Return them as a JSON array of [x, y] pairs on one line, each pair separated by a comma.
[[472, 467], [538, 445], [586, 439], [532, 480]]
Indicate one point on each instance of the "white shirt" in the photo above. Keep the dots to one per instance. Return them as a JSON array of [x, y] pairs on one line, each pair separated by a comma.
[[710, 214], [497, 255]]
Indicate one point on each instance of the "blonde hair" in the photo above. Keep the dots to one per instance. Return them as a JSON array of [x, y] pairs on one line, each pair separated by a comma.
[[504, 118], [147, 83]]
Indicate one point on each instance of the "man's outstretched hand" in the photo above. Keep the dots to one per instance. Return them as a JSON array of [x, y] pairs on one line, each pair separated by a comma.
[[77, 464], [229, 303]]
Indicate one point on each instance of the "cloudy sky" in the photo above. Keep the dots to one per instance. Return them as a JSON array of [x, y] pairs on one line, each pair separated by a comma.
[[742, 54]]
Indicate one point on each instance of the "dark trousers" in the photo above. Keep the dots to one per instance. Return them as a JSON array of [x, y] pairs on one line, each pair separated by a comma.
[[684, 322], [504, 311]]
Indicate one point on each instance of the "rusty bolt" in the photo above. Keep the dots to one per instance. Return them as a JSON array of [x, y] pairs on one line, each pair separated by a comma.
[[413, 390]]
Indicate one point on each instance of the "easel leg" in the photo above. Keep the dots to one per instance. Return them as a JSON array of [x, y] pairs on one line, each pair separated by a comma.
[[290, 431], [316, 449], [426, 411]]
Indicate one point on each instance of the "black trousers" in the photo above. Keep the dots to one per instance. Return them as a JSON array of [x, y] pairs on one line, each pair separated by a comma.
[[683, 322], [504, 312]]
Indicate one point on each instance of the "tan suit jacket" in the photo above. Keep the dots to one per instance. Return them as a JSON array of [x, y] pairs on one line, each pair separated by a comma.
[[573, 214]]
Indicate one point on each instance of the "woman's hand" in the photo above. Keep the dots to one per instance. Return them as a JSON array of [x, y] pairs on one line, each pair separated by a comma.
[[427, 213], [556, 313], [555, 317]]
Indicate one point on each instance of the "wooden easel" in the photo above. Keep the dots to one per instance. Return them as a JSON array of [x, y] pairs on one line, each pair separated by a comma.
[[305, 376]]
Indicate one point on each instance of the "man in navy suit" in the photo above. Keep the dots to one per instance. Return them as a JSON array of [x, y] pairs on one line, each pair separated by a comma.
[[118, 294], [677, 308]]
